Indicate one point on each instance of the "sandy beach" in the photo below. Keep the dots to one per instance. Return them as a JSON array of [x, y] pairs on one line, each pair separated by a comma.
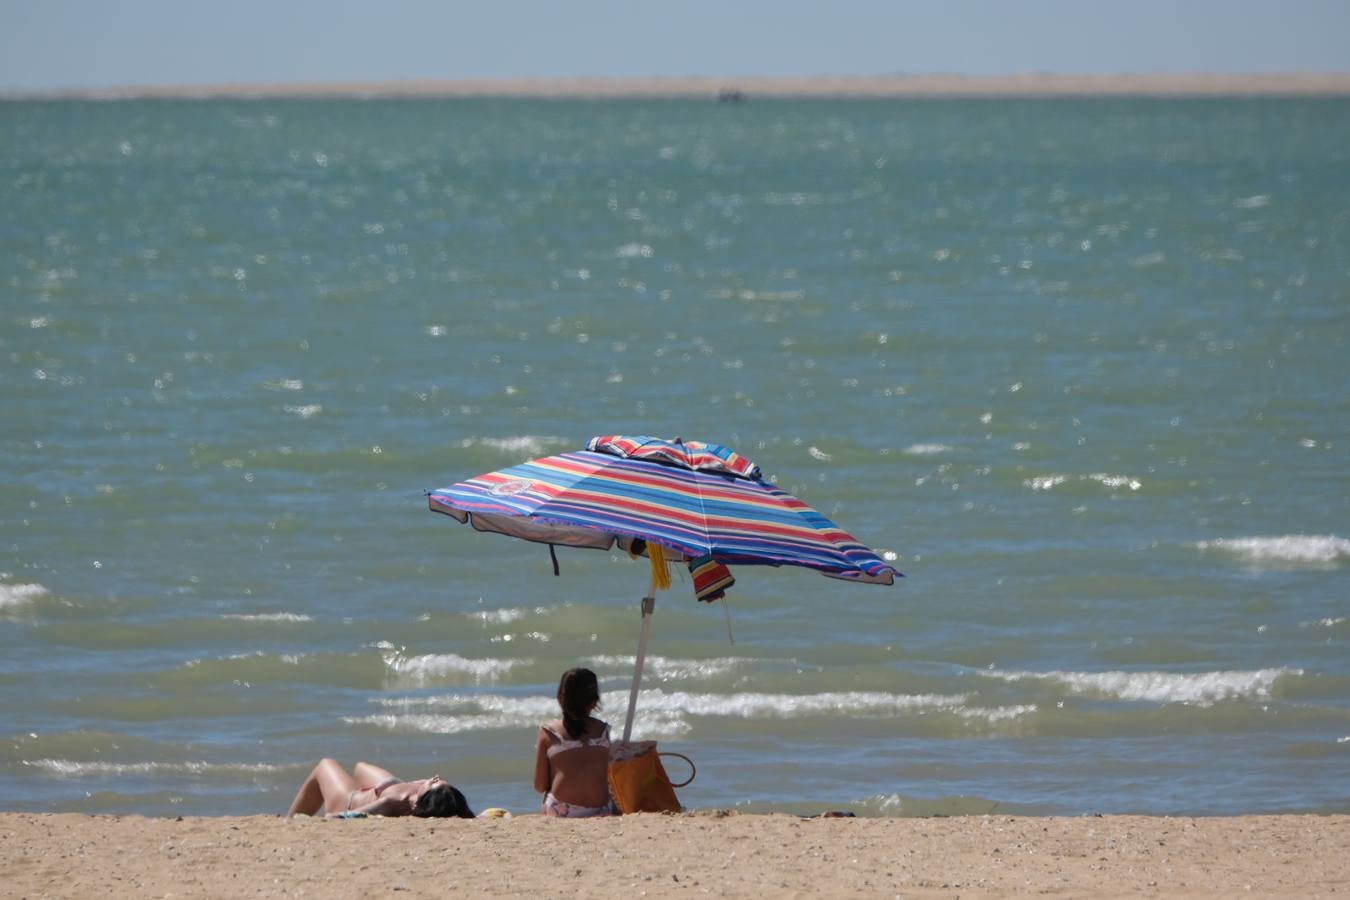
[[700, 853], [1031, 84]]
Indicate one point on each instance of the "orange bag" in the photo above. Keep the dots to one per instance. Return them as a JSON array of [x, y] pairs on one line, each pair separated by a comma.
[[639, 783]]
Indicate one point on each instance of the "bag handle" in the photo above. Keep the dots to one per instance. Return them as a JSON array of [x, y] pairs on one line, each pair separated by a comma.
[[692, 770]]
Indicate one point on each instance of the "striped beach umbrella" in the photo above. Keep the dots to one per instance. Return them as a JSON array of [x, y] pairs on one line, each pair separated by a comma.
[[678, 501]]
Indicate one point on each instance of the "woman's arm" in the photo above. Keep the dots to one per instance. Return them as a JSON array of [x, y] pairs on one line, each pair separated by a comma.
[[543, 771]]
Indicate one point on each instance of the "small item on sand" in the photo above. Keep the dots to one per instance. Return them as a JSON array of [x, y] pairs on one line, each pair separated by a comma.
[[495, 812], [350, 814]]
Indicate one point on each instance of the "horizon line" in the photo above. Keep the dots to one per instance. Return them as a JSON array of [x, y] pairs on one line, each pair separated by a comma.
[[1022, 84]]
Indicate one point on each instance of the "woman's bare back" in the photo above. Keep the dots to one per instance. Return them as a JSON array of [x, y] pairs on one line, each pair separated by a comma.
[[579, 766]]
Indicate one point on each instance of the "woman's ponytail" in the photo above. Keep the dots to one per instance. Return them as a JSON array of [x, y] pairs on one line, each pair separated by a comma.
[[578, 695]]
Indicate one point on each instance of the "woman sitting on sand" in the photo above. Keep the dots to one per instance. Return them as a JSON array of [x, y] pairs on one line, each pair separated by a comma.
[[571, 760], [376, 792]]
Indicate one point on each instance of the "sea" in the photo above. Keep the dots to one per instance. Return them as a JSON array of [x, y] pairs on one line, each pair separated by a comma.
[[1077, 367]]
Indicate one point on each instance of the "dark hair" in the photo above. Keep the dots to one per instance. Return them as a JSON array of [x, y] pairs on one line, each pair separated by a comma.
[[578, 695], [443, 801]]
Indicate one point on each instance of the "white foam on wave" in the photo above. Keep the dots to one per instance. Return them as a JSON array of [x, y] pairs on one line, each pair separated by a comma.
[[15, 595], [1050, 482], [661, 668], [751, 705], [76, 768], [1328, 622], [927, 449], [290, 659], [1115, 481], [481, 703], [499, 616], [793, 706], [1160, 687], [1316, 549], [267, 617], [433, 666], [462, 713], [427, 723], [659, 713], [996, 714], [525, 444]]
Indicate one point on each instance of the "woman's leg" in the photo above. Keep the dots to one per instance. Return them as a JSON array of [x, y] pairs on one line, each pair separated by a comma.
[[368, 775], [328, 789]]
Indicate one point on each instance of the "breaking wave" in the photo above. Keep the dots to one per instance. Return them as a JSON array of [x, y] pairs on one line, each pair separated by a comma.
[[662, 668], [1050, 482], [74, 768], [1159, 687], [524, 444], [434, 666], [499, 616], [1326, 622], [1316, 549], [16, 595], [665, 714], [268, 617]]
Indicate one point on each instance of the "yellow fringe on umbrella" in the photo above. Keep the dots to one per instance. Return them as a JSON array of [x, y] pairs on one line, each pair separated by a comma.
[[660, 572]]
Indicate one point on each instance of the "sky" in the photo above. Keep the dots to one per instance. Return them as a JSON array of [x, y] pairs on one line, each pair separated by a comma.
[[91, 44]]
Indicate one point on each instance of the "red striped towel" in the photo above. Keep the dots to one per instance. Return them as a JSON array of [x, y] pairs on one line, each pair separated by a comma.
[[711, 578]]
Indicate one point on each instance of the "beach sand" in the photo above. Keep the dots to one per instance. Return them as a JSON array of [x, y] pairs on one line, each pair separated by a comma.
[[1031, 84], [701, 853]]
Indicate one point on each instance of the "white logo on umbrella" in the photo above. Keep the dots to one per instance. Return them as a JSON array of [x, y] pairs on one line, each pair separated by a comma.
[[511, 488]]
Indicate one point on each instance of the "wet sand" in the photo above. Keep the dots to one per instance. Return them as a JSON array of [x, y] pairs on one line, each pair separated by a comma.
[[916, 85], [702, 853]]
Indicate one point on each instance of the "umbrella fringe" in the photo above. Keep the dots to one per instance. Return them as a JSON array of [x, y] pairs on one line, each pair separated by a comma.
[[660, 571]]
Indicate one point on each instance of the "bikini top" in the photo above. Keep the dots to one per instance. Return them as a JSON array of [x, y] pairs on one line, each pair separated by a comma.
[[564, 744]]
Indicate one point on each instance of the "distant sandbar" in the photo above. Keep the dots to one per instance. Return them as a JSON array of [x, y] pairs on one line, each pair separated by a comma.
[[1273, 84]]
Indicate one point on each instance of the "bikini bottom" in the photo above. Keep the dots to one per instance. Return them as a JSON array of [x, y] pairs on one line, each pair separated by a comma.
[[564, 810]]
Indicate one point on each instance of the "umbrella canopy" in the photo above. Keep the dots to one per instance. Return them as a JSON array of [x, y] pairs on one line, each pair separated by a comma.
[[695, 499], [700, 503]]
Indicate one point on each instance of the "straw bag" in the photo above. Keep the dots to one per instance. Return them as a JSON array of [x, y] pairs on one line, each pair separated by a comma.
[[637, 780]]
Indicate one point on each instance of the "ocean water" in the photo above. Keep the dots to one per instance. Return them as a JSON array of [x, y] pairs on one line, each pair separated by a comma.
[[1079, 367]]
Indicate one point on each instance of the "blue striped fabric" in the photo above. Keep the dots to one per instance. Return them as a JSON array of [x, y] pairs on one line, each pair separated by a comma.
[[590, 498]]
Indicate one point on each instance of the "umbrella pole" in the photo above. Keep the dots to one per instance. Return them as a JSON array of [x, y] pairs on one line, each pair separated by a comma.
[[648, 607]]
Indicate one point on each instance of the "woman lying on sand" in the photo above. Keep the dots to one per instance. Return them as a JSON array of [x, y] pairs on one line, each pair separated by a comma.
[[572, 754], [376, 792]]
